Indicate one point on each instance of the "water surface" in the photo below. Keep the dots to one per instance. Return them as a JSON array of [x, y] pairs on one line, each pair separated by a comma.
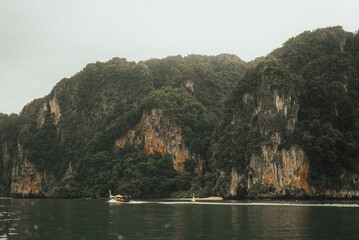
[[99, 219]]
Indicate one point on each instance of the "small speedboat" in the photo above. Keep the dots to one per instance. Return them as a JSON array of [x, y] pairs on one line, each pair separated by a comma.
[[120, 198]]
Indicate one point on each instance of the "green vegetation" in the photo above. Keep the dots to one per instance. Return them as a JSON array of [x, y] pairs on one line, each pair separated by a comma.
[[128, 171], [319, 70], [104, 101], [328, 123], [223, 106]]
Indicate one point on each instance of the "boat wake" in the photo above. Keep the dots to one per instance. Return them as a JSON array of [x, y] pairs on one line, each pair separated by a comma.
[[130, 202], [269, 204], [140, 202], [340, 205]]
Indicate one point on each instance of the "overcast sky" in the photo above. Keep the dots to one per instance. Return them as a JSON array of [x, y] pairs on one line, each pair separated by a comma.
[[43, 41]]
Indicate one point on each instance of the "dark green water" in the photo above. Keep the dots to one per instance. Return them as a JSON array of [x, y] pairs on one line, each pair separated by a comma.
[[96, 219]]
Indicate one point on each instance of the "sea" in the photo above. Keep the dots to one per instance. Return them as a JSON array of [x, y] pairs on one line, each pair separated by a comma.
[[162, 219]]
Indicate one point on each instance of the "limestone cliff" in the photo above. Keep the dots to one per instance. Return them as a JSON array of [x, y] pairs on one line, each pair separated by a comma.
[[42, 115], [288, 125], [274, 112], [55, 108], [156, 133], [51, 105], [285, 170], [26, 180], [268, 102]]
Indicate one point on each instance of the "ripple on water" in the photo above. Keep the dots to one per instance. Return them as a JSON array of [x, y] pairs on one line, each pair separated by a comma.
[[8, 221]]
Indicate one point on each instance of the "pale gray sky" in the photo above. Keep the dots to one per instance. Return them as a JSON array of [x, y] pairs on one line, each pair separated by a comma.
[[43, 41]]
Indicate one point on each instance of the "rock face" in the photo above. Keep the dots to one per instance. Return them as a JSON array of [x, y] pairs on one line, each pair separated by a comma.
[[26, 180], [55, 108], [41, 115], [280, 167], [48, 104], [274, 112], [285, 171], [157, 134]]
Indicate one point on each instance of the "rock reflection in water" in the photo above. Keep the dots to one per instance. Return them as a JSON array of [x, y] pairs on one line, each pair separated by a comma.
[[8, 220], [98, 219]]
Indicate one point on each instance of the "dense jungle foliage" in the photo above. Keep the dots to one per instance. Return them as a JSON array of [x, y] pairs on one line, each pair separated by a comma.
[[328, 120], [103, 102], [320, 71], [204, 96]]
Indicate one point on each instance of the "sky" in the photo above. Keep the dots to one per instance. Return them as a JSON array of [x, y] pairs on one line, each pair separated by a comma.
[[43, 41]]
